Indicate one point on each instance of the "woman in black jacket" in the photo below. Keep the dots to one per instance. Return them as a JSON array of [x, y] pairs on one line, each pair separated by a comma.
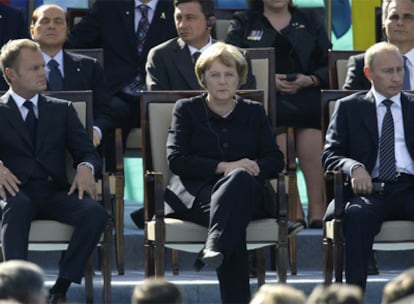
[[301, 46]]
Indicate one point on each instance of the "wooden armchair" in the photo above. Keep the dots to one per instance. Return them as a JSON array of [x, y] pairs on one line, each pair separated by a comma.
[[263, 68], [117, 177], [161, 232], [48, 235], [338, 67], [394, 235]]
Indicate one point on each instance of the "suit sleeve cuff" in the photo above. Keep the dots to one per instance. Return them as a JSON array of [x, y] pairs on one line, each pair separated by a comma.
[[354, 166], [89, 165]]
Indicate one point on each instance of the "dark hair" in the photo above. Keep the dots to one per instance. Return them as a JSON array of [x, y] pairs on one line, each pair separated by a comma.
[[207, 6], [257, 5]]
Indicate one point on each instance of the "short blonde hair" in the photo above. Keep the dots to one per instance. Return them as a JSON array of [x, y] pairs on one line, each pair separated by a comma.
[[278, 293], [227, 54], [377, 48], [10, 52]]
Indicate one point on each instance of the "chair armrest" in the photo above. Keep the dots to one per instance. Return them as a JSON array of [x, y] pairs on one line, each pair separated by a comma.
[[334, 187], [106, 193], [119, 152], [154, 200]]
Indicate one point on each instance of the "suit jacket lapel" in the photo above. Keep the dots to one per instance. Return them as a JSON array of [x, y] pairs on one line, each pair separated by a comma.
[[128, 18], [15, 118], [72, 68], [408, 122], [44, 120], [185, 65], [368, 113]]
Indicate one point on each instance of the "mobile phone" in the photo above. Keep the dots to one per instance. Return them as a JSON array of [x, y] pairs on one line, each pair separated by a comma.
[[291, 76]]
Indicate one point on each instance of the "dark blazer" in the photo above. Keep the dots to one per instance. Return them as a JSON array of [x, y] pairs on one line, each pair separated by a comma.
[[110, 25], [170, 67], [193, 151], [12, 26], [355, 78], [58, 130], [86, 73], [309, 39], [352, 134]]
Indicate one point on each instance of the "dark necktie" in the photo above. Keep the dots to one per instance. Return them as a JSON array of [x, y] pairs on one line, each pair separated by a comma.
[[387, 148], [195, 57], [31, 121], [138, 83], [142, 28], [407, 84], [55, 77]]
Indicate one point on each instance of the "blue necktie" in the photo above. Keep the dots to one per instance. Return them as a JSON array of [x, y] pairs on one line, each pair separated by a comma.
[[407, 84], [31, 121], [387, 149], [55, 77], [138, 83], [195, 57]]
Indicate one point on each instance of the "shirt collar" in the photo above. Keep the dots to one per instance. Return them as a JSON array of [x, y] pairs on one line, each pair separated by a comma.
[[20, 100], [58, 57], [152, 4], [193, 49], [379, 98], [410, 56]]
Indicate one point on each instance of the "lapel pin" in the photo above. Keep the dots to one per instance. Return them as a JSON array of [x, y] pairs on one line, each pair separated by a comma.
[[163, 16], [127, 13]]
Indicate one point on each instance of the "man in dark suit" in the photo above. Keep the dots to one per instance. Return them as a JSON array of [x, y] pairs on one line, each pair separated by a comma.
[[170, 65], [13, 26], [112, 25], [362, 125], [398, 27], [36, 133], [49, 29]]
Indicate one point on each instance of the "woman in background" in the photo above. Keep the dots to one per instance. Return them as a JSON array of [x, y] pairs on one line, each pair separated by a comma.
[[301, 46]]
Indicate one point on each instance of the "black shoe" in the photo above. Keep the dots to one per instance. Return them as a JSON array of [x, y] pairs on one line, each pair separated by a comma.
[[138, 218], [316, 224], [212, 258], [295, 227], [372, 265], [56, 298]]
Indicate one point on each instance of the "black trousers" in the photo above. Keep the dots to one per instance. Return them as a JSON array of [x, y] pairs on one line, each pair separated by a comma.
[[40, 200], [236, 199], [363, 219]]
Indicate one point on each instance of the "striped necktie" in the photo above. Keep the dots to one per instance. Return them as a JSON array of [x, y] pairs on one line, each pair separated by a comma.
[[387, 148]]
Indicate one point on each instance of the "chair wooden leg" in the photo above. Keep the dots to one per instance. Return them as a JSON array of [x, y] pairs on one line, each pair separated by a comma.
[[175, 263], [89, 281], [338, 252], [327, 261], [149, 260], [260, 266], [293, 196], [106, 261], [159, 260], [282, 255], [292, 255], [119, 224]]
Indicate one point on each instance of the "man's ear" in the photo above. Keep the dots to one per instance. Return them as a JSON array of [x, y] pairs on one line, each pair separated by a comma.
[[367, 73]]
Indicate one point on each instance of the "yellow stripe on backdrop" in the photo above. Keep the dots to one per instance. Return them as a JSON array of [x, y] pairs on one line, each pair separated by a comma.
[[363, 23]]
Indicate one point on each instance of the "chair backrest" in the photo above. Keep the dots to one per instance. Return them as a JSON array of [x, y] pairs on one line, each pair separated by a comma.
[[82, 102], [338, 67], [263, 68], [156, 110], [328, 100], [96, 53], [74, 15], [221, 27]]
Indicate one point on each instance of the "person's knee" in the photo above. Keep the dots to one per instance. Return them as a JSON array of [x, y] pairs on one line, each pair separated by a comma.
[[241, 176]]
